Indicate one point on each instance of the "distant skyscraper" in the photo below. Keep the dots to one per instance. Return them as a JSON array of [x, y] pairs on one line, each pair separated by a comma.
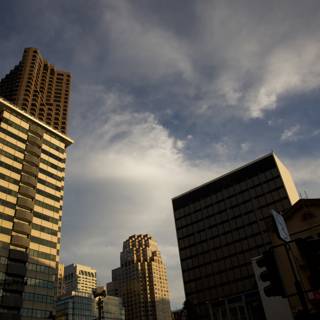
[[36, 87], [79, 278], [32, 169], [141, 281], [220, 226]]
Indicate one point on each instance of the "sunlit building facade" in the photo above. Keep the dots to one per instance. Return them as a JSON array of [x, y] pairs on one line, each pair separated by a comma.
[[141, 281], [32, 169], [38, 88], [79, 278]]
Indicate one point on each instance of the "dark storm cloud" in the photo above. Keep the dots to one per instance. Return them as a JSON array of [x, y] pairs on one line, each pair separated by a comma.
[[168, 94]]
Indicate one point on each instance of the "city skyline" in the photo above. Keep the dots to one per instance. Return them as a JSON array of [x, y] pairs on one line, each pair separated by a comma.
[[166, 99]]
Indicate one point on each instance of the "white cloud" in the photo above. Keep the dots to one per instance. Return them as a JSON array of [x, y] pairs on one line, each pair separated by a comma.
[[123, 176], [141, 49], [290, 134]]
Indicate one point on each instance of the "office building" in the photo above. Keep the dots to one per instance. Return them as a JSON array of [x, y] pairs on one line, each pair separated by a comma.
[[220, 226], [141, 281], [32, 168], [76, 306], [112, 308], [38, 88], [79, 278]]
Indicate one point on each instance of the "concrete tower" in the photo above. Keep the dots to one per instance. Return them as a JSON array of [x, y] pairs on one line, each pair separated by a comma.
[[38, 88], [141, 281], [32, 169]]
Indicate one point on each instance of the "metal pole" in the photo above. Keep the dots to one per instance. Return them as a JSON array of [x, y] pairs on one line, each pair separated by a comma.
[[297, 283]]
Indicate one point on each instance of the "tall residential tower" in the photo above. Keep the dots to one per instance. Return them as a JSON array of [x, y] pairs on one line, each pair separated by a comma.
[[141, 281], [33, 146], [38, 88]]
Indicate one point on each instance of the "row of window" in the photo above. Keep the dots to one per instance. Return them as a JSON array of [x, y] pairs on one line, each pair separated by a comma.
[[44, 229], [40, 283], [227, 193], [41, 268], [240, 205], [46, 206], [6, 217], [42, 255], [34, 313], [43, 242], [17, 148], [45, 217], [248, 214], [24, 130], [41, 298]]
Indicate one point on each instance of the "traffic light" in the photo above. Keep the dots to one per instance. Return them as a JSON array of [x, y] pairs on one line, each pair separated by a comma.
[[310, 251], [271, 274]]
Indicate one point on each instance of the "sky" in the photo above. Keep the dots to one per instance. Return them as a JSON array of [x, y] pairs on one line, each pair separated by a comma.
[[167, 95]]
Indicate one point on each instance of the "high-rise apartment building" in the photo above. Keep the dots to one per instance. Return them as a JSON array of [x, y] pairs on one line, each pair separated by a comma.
[[220, 226], [32, 169], [79, 278], [38, 88], [141, 281]]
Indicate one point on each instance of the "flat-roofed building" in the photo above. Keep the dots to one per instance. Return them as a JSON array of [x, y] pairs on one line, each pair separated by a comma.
[[220, 226], [80, 278], [76, 306], [32, 169]]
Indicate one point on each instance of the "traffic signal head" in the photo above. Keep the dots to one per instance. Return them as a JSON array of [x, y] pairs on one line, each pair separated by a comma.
[[270, 274]]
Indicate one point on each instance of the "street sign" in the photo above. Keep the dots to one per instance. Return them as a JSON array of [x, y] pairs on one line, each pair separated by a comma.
[[281, 225]]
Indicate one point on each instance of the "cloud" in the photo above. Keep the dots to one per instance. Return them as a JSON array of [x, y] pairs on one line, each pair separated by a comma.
[[123, 176], [141, 49], [257, 58], [290, 134]]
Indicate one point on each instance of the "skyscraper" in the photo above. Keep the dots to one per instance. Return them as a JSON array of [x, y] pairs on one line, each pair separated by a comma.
[[79, 278], [220, 226], [36, 87], [141, 281], [32, 169]]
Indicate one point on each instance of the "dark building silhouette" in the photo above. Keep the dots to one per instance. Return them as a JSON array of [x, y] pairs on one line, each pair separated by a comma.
[[220, 226], [36, 87]]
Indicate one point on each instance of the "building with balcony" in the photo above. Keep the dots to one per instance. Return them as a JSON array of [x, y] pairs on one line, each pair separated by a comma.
[[38, 88], [32, 169]]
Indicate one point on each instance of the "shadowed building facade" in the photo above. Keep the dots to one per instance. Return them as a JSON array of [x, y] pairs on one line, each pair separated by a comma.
[[141, 281], [220, 226], [32, 168], [38, 88]]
